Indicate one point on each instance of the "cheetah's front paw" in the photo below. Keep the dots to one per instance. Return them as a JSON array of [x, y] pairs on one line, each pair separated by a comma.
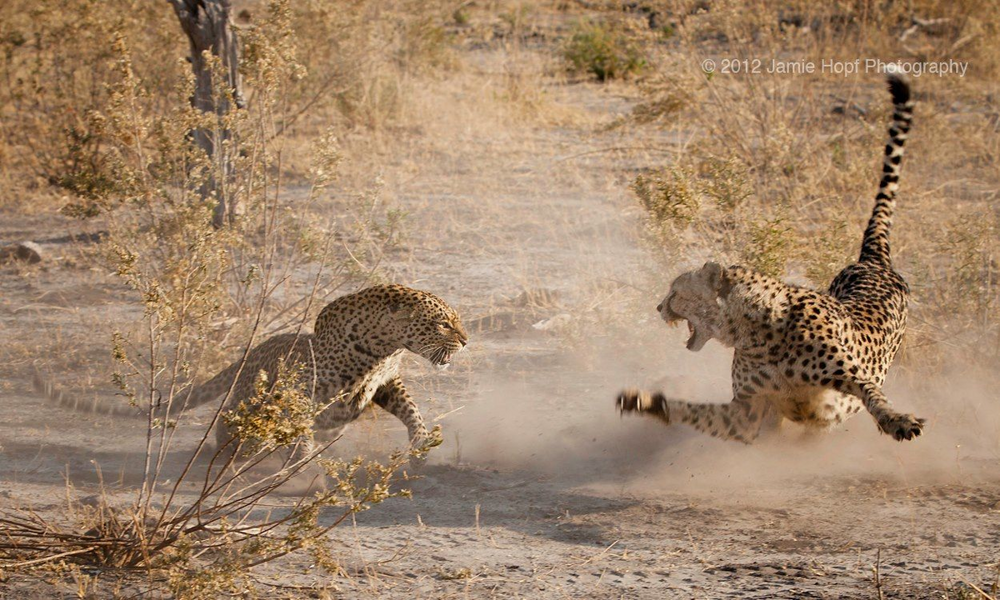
[[636, 400], [902, 427]]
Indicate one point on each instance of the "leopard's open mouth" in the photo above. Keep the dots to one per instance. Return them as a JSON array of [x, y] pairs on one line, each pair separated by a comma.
[[441, 357]]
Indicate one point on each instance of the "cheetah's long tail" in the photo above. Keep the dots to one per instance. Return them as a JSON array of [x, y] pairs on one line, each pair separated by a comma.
[[875, 247]]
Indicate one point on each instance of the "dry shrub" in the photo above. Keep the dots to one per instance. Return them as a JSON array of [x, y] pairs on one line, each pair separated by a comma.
[[279, 412], [604, 50], [55, 62], [669, 198], [361, 58]]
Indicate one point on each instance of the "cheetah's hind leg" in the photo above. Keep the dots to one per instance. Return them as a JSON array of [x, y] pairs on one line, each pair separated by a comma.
[[900, 426]]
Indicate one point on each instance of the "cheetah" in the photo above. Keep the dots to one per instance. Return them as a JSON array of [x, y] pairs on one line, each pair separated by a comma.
[[349, 362], [811, 357]]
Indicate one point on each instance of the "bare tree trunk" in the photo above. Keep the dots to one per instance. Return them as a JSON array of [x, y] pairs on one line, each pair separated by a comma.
[[209, 30]]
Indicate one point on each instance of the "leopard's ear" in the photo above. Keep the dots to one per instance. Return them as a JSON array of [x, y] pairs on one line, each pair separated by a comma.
[[401, 311], [718, 278]]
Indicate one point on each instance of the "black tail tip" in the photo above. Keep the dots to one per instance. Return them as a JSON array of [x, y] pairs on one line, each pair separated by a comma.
[[899, 87]]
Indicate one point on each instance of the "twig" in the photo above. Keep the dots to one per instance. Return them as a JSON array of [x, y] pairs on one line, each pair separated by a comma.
[[617, 149], [53, 557], [598, 555], [976, 587], [878, 574], [450, 412]]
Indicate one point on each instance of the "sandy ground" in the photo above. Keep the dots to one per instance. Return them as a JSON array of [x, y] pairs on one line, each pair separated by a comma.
[[540, 490]]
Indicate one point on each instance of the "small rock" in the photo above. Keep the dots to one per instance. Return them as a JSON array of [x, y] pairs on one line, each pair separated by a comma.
[[557, 322], [25, 251]]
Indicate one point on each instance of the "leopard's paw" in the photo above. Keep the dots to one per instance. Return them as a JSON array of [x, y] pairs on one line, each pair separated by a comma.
[[421, 445], [433, 438]]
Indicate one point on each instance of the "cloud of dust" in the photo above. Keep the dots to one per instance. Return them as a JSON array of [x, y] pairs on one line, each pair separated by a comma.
[[560, 421]]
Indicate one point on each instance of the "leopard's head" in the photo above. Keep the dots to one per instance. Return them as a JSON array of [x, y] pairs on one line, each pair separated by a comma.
[[383, 319], [425, 325], [696, 297]]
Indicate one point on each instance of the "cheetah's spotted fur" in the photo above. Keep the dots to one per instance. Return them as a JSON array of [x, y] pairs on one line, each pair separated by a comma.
[[811, 357]]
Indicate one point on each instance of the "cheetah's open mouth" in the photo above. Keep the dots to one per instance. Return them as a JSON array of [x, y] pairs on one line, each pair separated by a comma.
[[697, 340]]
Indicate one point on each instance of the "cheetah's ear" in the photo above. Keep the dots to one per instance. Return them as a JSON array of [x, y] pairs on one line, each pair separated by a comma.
[[718, 278]]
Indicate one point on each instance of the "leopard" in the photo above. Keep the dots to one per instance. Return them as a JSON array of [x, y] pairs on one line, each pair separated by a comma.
[[812, 357], [349, 362]]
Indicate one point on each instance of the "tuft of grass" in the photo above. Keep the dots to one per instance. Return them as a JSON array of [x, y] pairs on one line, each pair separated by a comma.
[[769, 246], [455, 574], [604, 51], [726, 181], [670, 198]]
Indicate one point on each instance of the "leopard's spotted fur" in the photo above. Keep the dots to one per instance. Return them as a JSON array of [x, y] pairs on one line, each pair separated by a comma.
[[351, 360], [811, 357]]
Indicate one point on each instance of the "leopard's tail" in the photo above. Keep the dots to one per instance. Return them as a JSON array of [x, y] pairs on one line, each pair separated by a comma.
[[875, 246], [204, 393], [238, 376], [94, 403], [79, 401]]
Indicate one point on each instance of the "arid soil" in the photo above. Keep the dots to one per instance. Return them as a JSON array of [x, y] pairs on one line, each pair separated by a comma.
[[541, 490]]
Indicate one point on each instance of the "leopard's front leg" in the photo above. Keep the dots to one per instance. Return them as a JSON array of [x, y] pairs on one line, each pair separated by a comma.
[[393, 397]]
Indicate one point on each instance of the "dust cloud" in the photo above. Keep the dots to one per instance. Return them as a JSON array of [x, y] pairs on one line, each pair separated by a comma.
[[560, 422]]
